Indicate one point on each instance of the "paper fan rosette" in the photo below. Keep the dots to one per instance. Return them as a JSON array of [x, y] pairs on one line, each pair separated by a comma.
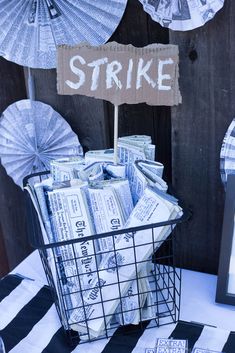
[[227, 154], [30, 30], [182, 15], [31, 135]]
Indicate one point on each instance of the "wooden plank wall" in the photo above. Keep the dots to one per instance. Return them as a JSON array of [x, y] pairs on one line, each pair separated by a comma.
[[207, 85], [196, 132], [4, 265], [138, 29], [13, 235]]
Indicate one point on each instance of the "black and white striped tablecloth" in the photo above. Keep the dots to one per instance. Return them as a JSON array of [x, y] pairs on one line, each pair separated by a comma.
[[29, 324]]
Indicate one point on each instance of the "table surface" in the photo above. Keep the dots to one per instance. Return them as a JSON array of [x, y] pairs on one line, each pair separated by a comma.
[[197, 300]]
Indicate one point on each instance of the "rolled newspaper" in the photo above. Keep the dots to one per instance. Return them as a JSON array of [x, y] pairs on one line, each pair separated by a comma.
[[92, 172], [66, 210], [146, 173], [66, 168], [115, 170], [137, 139], [131, 149], [99, 156], [119, 267], [111, 205], [70, 218]]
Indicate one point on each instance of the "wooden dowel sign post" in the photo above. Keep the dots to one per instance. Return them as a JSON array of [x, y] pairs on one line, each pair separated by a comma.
[[115, 135], [31, 85], [120, 74]]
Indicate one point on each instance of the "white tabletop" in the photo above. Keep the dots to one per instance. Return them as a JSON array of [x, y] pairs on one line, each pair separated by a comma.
[[198, 294]]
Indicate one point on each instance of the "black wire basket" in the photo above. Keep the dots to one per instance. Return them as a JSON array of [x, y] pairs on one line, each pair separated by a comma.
[[149, 293]]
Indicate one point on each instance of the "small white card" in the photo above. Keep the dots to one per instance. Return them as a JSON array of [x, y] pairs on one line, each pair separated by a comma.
[[164, 345], [150, 350]]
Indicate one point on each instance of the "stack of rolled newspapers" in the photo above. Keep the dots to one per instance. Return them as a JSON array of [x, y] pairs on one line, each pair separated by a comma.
[[104, 278]]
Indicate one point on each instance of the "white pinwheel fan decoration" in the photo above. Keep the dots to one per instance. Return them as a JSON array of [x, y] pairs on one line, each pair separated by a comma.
[[31, 135], [30, 30], [182, 15]]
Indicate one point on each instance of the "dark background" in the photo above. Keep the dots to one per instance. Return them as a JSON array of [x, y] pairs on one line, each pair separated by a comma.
[[188, 137]]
